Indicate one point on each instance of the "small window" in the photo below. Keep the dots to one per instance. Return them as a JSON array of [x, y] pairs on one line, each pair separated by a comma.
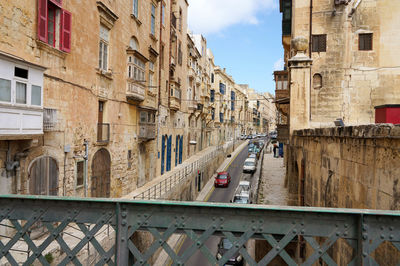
[[135, 9], [143, 117], [365, 41], [153, 20], [319, 43], [5, 90], [163, 14], [21, 73], [36, 97], [20, 93], [317, 81], [79, 173]]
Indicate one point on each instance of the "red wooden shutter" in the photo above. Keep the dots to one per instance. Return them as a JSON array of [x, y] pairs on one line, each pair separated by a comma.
[[65, 40], [42, 20], [57, 2]]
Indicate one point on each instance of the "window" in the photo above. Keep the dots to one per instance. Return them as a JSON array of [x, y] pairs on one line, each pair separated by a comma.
[[103, 47], [221, 117], [163, 14], [212, 96], [180, 19], [147, 117], [319, 43], [151, 75], [222, 88], [54, 24], [135, 9], [365, 41], [21, 73], [136, 68], [212, 77], [5, 90], [79, 173], [180, 53], [36, 95], [213, 114], [133, 44], [153, 20], [20, 90]]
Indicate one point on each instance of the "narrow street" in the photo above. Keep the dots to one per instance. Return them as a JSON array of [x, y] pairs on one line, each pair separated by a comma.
[[219, 195]]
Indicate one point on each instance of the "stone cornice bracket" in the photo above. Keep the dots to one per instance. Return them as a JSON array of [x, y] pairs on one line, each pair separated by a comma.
[[107, 16]]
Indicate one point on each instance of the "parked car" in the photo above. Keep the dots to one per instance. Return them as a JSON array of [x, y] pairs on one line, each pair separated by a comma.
[[224, 246], [222, 179], [250, 165], [252, 155], [242, 198]]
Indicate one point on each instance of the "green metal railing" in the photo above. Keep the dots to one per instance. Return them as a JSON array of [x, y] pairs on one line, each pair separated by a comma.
[[364, 237]]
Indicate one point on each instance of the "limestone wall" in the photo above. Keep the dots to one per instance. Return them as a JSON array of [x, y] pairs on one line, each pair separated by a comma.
[[351, 167]]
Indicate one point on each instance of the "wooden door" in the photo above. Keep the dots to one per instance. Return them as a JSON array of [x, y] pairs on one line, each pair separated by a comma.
[[101, 174], [180, 149], [43, 177], [43, 180]]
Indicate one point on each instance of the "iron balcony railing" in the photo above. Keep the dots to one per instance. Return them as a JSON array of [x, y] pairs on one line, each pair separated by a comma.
[[324, 236], [103, 132]]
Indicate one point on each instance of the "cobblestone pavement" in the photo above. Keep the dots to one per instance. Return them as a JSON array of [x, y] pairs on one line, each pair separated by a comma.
[[272, 189]]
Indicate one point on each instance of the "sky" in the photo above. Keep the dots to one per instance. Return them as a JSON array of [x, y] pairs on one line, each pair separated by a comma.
[[245, 37]]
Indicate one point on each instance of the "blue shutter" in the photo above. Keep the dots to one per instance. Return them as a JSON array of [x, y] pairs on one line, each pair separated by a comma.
[[176, 149], [163, 153], [169, 144], [180, 149]]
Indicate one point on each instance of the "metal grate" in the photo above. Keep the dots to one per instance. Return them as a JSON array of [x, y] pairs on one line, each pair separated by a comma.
[[319, 43], [49, 119], [331, 236]]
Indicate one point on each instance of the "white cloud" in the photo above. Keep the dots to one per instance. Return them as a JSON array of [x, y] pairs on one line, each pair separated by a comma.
[[212, 16], [279, 64]]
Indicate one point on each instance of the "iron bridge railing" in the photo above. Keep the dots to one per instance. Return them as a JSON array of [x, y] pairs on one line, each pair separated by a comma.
[[140, 229]]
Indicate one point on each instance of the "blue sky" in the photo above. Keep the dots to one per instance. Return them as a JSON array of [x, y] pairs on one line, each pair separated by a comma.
[[245, 37]]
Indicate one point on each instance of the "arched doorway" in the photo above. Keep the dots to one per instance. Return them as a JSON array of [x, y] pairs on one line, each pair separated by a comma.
[[101, 174], [43, 176]]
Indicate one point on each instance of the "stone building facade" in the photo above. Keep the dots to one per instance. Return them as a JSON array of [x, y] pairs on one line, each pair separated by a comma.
[[97, 98]]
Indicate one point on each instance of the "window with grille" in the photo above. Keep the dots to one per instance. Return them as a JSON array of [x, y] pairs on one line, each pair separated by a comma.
[[319, 43], [365, 41]]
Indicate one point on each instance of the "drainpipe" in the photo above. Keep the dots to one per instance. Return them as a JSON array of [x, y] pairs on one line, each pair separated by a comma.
[[85, 172], [159, 79]]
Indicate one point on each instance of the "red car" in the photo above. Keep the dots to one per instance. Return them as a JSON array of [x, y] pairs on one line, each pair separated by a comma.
[[222, 179]]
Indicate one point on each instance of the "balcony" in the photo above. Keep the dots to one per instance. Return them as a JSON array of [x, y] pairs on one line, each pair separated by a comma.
[[135, 92], [283, 133], [147, 131], [19, 122], [192, 105], [191, 73], [175, 99], [173, 20], [103, 133]]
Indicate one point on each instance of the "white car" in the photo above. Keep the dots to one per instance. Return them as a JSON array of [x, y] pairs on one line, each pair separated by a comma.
[[250, 165]]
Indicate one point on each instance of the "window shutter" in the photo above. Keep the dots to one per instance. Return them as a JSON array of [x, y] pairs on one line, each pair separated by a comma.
[[42, 20], [65, 31], [57, 2]]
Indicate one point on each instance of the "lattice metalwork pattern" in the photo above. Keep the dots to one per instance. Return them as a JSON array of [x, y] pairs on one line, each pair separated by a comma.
[[113, 232]]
